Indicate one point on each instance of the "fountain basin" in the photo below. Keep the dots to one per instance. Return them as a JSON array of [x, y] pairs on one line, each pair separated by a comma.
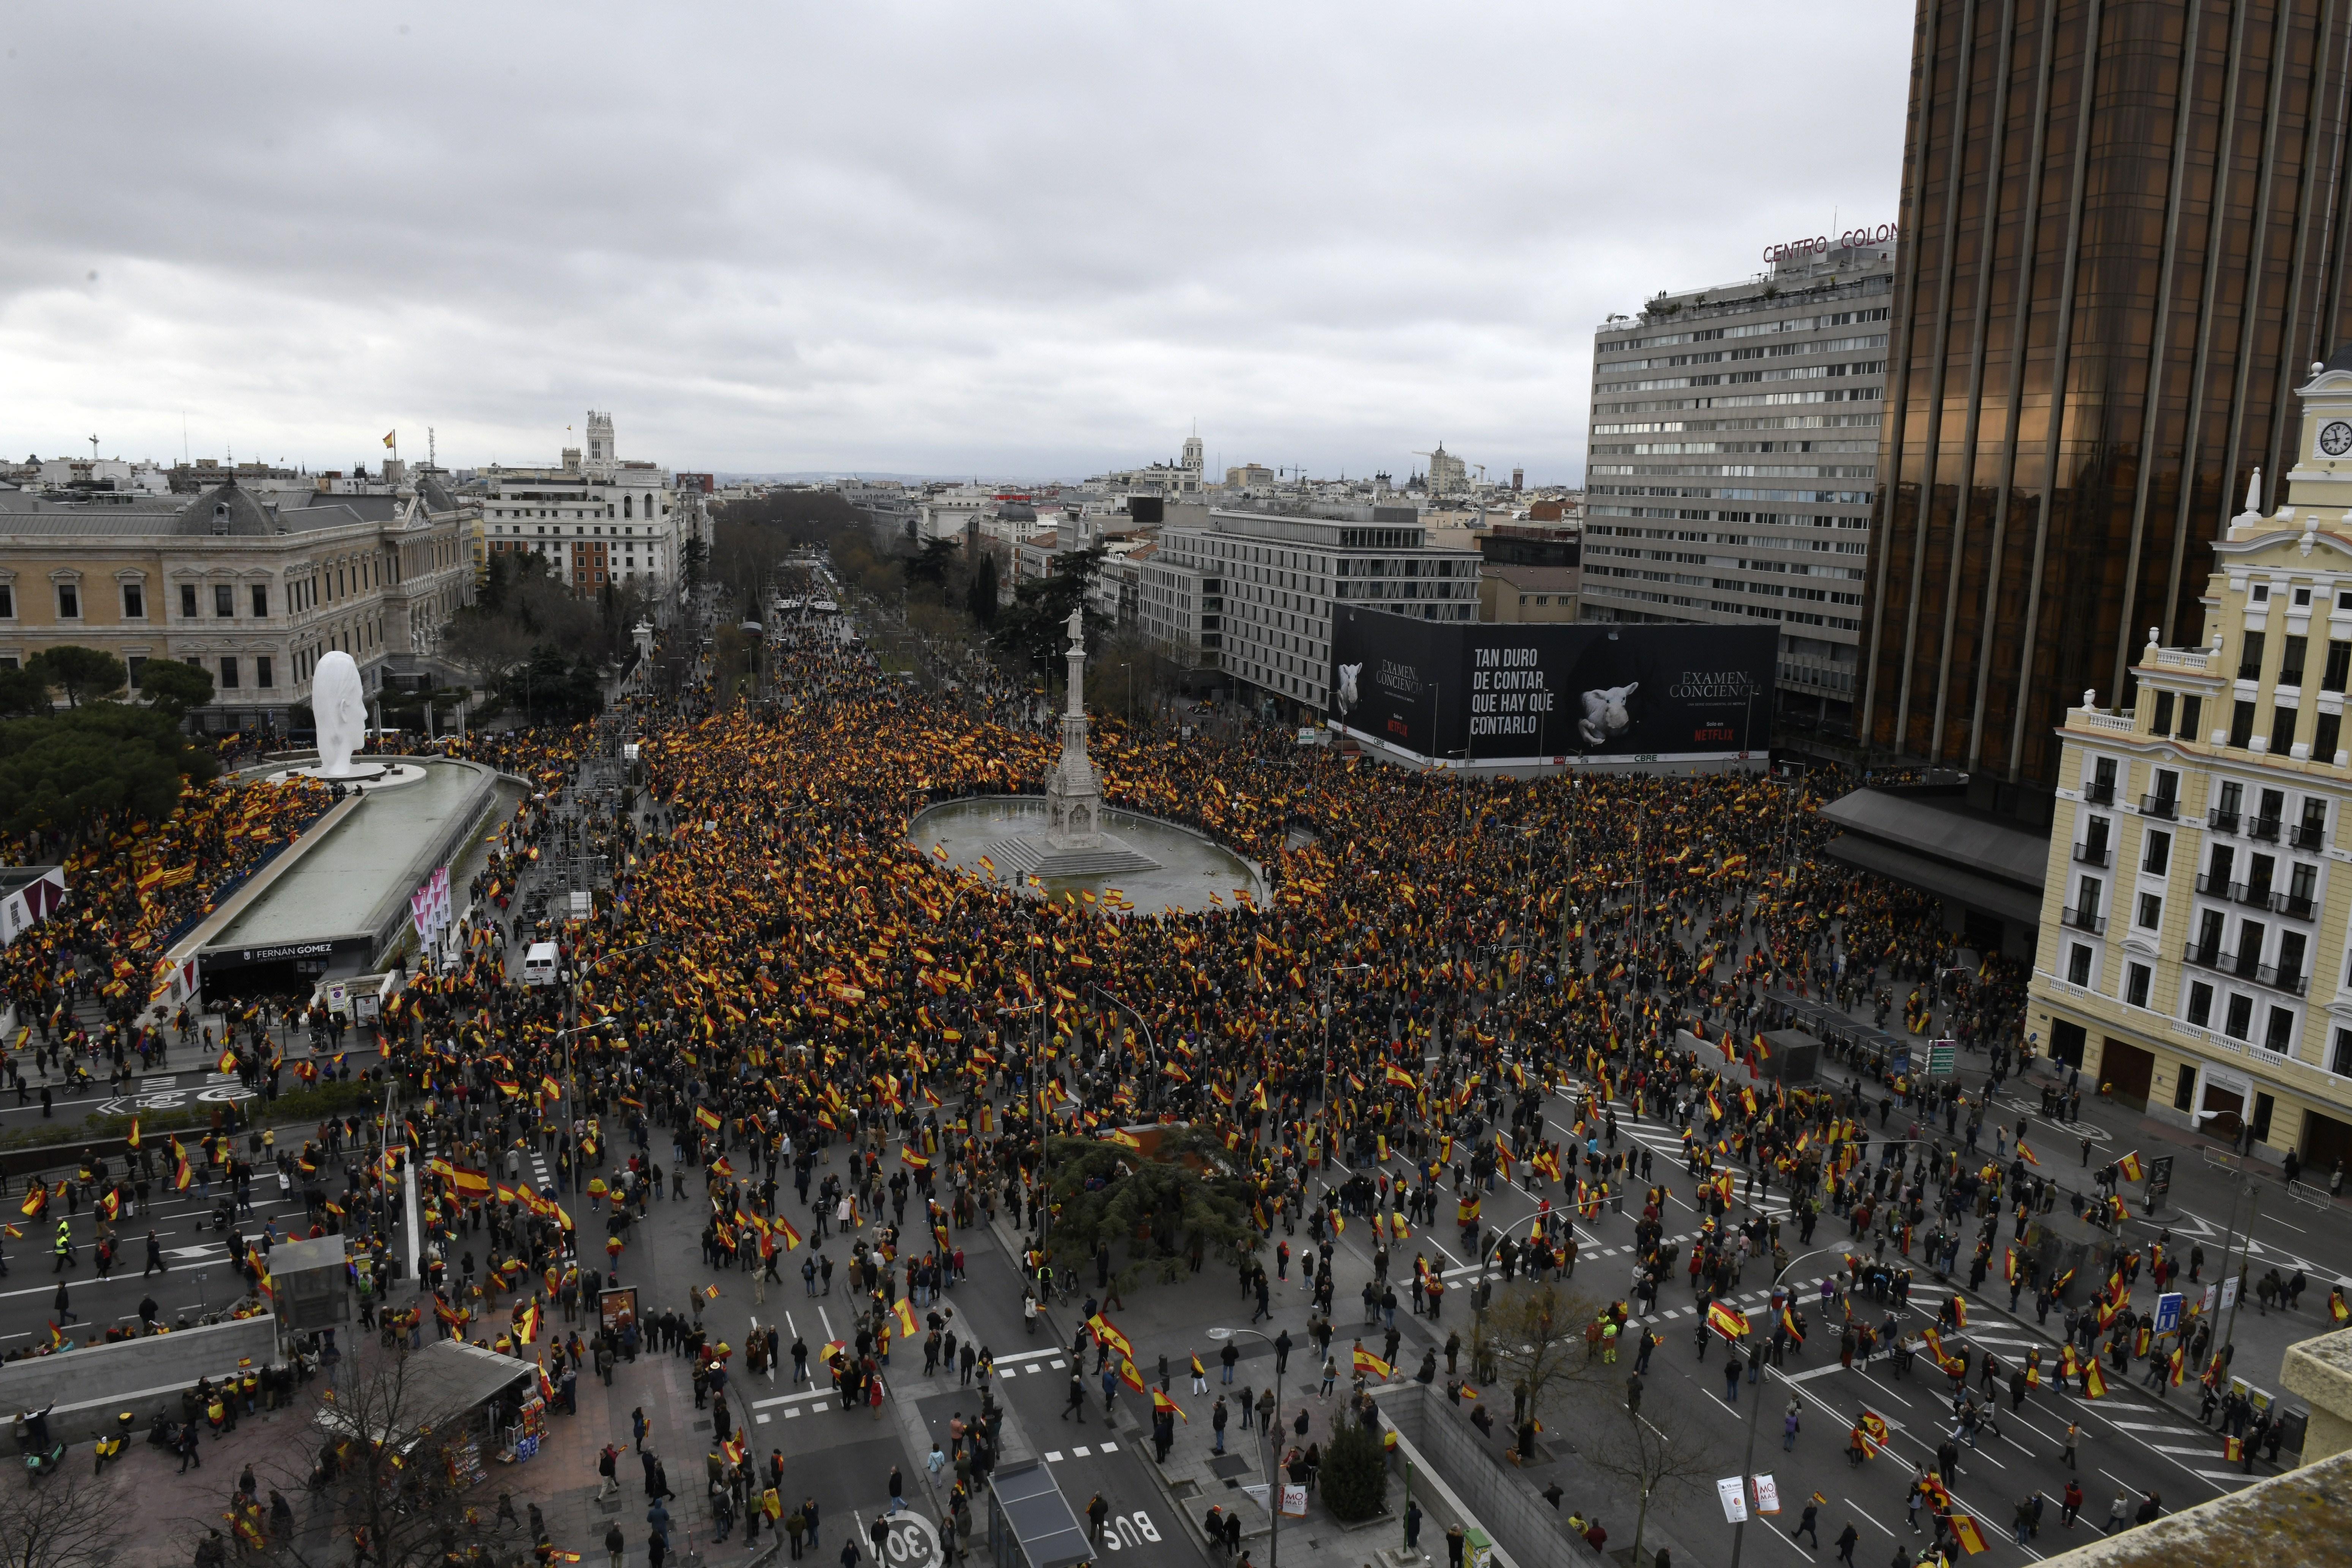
[[1160, 867]]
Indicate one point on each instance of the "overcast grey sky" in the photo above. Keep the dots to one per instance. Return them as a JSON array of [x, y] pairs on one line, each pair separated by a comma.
[[1024, 239]]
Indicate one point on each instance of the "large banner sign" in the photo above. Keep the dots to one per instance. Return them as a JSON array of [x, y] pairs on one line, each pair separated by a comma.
[[1497, 695]]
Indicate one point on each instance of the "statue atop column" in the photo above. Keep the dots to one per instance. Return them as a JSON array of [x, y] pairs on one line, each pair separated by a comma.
[[1073, 799]]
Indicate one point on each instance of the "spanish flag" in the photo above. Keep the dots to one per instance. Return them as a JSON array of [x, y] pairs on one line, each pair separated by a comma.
[[133, 1139], [1129, 1376], [1397, 1077], [1728, 1322], [527, 1323], [2095, 1385], [706, 1118], [1107, 1333], [2129, 1165], [1160, 1402], [227, 1063], [37, 1198], [1373, 1366], [1964, 1530], [1196, 1373], [1789, 1322], [906, 1318], [1875, 1426]]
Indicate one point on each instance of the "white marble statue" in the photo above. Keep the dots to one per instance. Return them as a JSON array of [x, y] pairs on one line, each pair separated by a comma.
[[340, 703]]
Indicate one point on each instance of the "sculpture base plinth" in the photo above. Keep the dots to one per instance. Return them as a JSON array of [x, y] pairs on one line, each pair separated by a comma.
[[1033, 855], [364, 775]]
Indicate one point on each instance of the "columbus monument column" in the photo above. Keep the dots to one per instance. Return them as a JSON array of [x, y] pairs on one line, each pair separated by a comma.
[[1073, 798]]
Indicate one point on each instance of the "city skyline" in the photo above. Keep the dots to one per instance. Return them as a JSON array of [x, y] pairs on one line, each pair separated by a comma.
[[921, 243]]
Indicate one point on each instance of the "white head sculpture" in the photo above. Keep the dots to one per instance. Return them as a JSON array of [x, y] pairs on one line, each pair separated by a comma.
[[340, 703]]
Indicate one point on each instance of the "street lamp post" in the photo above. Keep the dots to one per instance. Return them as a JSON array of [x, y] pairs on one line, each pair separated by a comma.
[[570, 1067], [1266, 1442], [1327, 973], [1488, 1246], [1033, 1059], [1756, 1405], [1151, 1043]]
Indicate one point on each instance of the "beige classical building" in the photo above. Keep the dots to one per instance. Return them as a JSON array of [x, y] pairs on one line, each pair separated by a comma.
[[594, 519], [2194, 943], [253, 591]]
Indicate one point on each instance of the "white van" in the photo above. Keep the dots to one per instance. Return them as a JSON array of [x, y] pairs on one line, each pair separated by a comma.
[[539, 964]]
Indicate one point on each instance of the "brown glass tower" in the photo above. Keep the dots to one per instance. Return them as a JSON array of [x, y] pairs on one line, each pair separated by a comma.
[[2146, 203]]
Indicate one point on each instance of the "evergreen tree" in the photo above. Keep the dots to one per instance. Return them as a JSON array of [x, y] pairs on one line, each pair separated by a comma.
[[1355, 1480], [979, 597]]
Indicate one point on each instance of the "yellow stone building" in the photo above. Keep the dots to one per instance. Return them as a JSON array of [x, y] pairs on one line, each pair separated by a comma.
[[253, 590], [2193, 954]]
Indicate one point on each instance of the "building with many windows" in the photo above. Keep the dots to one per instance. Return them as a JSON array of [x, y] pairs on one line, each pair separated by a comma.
[[2196, 948], [1733, 455], [598, 519], [2124, 240], [254, 592], [1274, 578]]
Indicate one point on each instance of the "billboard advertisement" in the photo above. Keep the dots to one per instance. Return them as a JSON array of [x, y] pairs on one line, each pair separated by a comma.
[[1534, 695]]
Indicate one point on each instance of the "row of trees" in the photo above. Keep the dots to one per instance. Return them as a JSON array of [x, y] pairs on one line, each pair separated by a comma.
[[108, 757], [535, 647], [87, 675]]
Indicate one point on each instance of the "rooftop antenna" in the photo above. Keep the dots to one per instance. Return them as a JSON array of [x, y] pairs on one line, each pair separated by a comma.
[[431, 461], [93, 448]]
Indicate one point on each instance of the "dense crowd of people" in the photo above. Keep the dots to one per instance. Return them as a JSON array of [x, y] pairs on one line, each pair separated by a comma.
[[781, 990]]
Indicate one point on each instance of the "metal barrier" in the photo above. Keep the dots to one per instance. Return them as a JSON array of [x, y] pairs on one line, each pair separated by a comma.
[[2304, 1193]]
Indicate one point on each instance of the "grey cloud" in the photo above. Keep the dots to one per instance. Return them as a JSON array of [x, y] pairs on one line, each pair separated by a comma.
[[936, 238]]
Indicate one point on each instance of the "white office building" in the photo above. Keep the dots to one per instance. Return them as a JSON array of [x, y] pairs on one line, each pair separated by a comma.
[[1733, 456], [1263, 583], [597, 519]]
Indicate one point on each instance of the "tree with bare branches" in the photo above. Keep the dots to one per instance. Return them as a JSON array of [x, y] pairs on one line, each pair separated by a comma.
[[1533, 1336], [391, 1476], [1662, 1450], [64, 1524]]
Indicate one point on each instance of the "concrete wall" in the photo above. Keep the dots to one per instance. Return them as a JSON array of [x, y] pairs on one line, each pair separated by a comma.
[[90, 1387], [2320, 1369], [1506, 1502]]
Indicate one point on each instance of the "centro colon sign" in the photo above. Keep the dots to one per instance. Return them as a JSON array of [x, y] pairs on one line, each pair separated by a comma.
[[1880, 233]]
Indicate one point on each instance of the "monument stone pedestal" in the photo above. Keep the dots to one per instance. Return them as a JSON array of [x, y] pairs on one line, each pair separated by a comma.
[[1074, 843]]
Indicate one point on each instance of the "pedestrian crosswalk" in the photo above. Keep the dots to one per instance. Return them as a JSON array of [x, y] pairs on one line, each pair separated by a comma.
[[1080, 1450]]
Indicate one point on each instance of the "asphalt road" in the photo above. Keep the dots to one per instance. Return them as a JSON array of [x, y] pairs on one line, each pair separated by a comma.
[[2135, 1444]]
